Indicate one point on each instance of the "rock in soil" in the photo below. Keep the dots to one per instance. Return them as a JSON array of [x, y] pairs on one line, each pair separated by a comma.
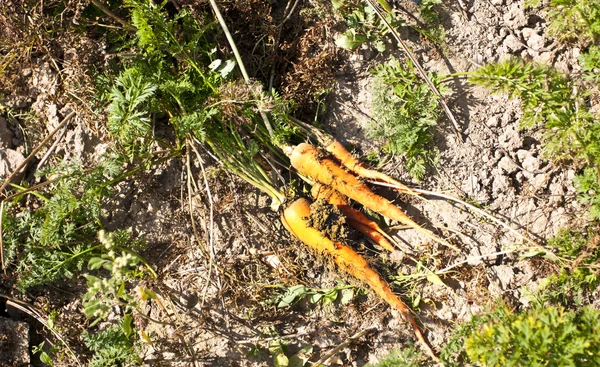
[[6, 136], [9, 161], [14, 343]]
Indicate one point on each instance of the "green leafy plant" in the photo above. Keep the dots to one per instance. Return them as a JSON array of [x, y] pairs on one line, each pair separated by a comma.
[[406, 357], [576, 280], [364, 26], [538, 337], [55, 239], [588, 188], [590, 64], [105, 292], [112, 348], [278, 349], [453, 354], [288, 296], [405, 110], [571, 19]]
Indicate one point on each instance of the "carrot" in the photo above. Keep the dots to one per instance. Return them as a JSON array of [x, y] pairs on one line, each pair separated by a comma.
[[305, 158], [362, 169], [355, 218], [294, 218]]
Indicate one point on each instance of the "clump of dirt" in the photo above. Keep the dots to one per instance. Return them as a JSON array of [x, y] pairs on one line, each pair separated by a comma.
[[329, 220]]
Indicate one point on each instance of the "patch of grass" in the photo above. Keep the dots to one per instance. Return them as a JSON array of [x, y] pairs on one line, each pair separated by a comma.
[[590, 64], [406, 357], [571, 20], [540, 337], [405, 111]]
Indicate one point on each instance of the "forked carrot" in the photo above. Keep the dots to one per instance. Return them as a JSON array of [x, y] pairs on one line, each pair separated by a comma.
[[294, 218], [305, 158], [362, 169], [355, 218]]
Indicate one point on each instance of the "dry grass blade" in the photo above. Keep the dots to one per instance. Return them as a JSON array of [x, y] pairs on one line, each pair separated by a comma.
[[422, 72], [1, 235], [114, 16], [33, 313], [35, 151]]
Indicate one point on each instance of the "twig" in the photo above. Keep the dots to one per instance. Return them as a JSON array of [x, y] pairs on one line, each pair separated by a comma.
[[342, 345], [420, 69], [52, 147], [25, 308], [35, 151], [108, 12], [211, 239], [1, 236]]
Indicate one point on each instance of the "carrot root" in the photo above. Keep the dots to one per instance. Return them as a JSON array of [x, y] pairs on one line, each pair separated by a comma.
[[294, 219], [361, 169], [305, 158]]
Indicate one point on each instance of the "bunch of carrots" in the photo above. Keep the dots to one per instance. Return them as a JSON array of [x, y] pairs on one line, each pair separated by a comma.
[[335, 178]]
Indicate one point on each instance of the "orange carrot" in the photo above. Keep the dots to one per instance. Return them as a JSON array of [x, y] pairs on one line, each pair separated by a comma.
[[305, 158], [294, 219], [355, 218], [362, 169]]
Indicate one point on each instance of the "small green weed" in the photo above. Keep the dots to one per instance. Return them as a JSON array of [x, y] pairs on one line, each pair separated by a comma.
[[538, 337], [431, 29], [364, 26], [104, 293], [289, 296], [406, 357], [590, 64], [112, 348], [575, 281], [405, 110], [453, 354], [55, 240], [571, 20], [278, 349], [588, 190]]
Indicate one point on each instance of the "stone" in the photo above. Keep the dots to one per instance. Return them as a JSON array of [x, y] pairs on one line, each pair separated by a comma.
[[512, 44], [522, 154], [527, 32], [493, 121], [507, 165], [500, 184], [6, 135], [14, 343], [536, 42], [544, 58], [505, 275], [510, 139], [9, 161], [531, 164], [515, 18]]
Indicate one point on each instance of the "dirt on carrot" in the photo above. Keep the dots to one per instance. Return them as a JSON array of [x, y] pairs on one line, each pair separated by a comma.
[[329, 220]]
